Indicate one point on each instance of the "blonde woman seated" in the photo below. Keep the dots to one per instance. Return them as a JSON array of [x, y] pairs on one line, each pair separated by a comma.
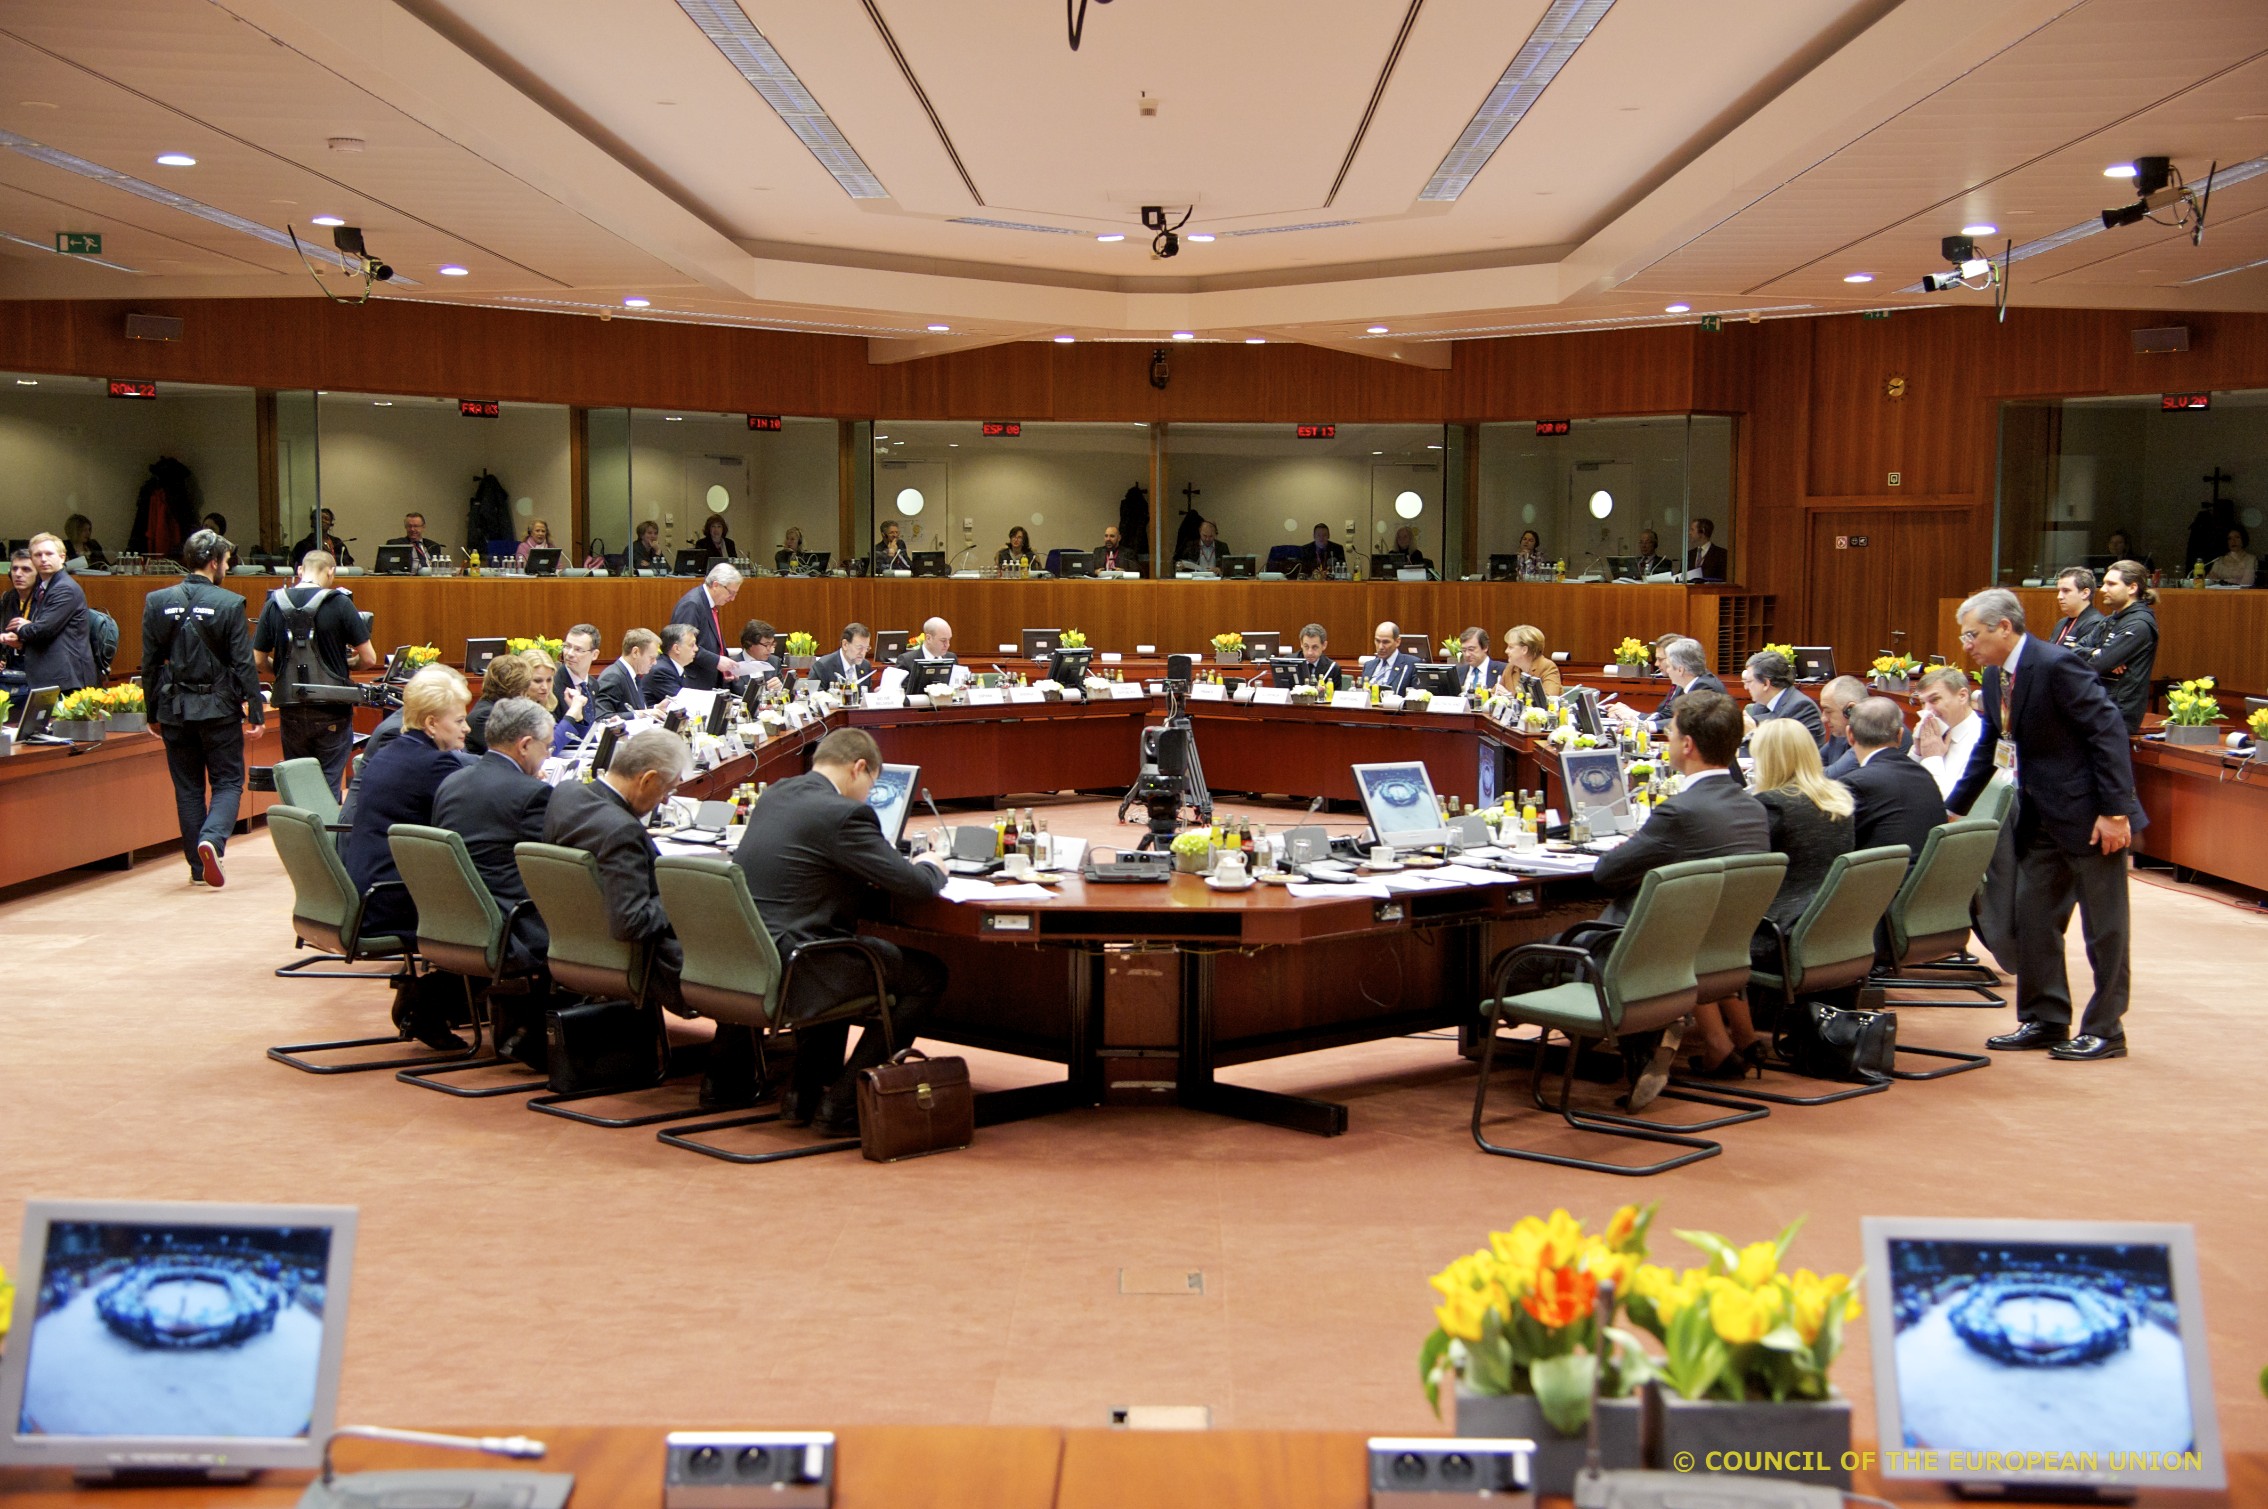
[[1811, 824], [538, 538], [1526, 654]]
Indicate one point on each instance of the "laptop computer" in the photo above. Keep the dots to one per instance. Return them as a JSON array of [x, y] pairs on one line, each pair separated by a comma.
[[929, 563], [1398, 798], [1041, 643], [1240, 567], [203, 1340], [393, 560], [1074, 563], [479, 652], [1262, 644], [690, 563], [892, 798], [34, 714], [1503, 568], [1814, 662], [543, 560]]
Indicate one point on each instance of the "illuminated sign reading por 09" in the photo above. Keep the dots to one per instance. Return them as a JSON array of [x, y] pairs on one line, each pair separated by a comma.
[[1316, 432], [122, 388], [480, 408], [1003, 429], [1555, 426]]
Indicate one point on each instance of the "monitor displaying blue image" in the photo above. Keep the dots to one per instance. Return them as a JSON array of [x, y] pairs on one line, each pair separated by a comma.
[[1399, 800], [892, 797]]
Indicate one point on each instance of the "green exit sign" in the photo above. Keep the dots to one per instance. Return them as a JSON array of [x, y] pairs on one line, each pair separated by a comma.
[[79, 243], [1711, 324], [1875, 314]]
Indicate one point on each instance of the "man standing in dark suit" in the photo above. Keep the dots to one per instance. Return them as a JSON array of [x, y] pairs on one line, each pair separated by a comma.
[[53, 631], [666, 678], [849, 662], [2081, 628], [703, 608], [616, 692], [2128, 650], [1711, 815], [1386, 667], [1478, 672], [1772, 693], [201, 689], [497, 802], [607, 819], [1898, 801], [1705, 560], [814, 854], [2050, 725]]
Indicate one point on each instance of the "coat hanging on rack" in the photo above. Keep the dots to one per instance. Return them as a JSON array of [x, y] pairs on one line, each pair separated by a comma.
[[488, 516], [167, 510]]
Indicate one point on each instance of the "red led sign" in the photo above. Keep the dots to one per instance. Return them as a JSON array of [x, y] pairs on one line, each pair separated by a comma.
[[120, 388], [1316, 432], [480, 408], [2173, 403], [770, 422], [1002, 429], [1555, 426]]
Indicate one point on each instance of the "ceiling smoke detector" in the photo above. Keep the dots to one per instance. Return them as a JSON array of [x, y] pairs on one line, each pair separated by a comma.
[[346, 144]]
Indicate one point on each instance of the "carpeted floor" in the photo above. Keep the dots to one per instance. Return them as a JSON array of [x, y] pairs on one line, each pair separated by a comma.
[[518, 1267]]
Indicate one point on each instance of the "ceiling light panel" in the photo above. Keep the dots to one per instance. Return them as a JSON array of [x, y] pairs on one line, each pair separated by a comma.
[[724, 23], [1563, 28]]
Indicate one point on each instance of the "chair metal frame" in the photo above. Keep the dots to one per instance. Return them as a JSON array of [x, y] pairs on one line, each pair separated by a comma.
[[1881, 982]]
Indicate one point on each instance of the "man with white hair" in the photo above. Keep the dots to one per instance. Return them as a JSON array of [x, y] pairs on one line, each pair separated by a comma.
[[607, 818], [1686, 665], [702, 608]]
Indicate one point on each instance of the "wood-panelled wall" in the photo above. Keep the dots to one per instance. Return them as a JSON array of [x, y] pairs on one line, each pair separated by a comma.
[[1819, 434]]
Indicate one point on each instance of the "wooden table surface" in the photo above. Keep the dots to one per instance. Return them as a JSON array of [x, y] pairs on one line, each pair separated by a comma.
[[964, 1467], [61, 808]]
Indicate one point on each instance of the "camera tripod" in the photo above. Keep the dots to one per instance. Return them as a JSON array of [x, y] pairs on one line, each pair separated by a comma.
[[1163, 792]]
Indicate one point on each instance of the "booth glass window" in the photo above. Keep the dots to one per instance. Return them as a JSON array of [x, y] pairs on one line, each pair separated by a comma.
[[606, 480], [689, 466], [951, 487], [1265, 487], [388, 455], [67, 447], [2084, 481], [1592, 493]]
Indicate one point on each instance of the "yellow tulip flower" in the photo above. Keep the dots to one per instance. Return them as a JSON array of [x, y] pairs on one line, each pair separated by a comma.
[[1758, 1262], [1737, 1315]]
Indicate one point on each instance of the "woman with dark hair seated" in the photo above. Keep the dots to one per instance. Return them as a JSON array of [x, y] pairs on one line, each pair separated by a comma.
[[507, 676], [1017, 553]]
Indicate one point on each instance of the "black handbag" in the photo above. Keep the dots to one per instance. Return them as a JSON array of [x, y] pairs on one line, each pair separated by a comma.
[[1821, 1041], [603, 1045]]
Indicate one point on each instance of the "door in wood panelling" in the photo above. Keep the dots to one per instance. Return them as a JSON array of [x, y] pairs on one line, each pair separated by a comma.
[[1873, 572]]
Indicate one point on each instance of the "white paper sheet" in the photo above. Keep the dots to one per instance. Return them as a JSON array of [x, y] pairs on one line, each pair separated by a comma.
[[1271, 696], [963, 888], [1308, 890]]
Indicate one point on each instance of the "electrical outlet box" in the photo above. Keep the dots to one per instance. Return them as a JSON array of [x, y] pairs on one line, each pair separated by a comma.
[[766, 1469], [1433, 1472]]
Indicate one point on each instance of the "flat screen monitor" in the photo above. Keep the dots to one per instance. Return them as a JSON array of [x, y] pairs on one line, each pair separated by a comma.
[[1418, 645], [158, 1338], [1814, 662], [1442, 680], [2040, 1355], [393, 560], [479, 652], [1583, 702], [1595, 788], [929, 563], [1074, 563], [801, 563], [889, 644], [543, 560], [1622, 567], [602, 755], [927, 673], [690, 563], [1262, 644], [1503, 568], [1068, 667], [1384, 563], [1288, 670], [720, 715], [892, 798], [1240, 567], [34, 713], [1399, 800], [1041, 643]]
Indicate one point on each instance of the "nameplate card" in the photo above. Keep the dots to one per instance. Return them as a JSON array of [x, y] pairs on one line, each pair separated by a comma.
[[988, 696], [1353, 698], [1026, 694], [1447, 705], [886, 700], [1007, 649], [1142, 649], [1128, 691], [1272, 696], [1208, 691], [1111, 657]]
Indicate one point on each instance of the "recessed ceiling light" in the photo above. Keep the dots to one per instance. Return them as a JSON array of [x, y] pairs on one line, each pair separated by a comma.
[[1065, 340], [952, 445], [1858, 277], [673, 418], [1198, 236], [1113, 236], [452, 270], [1256, 340], [1377, 330], [27, 382], [1433, 447], [2119, 170], [633, 301], [184, 160], [381, 403], [939, 329], [1677, 309], [1378, 453], [1980, 229], [1185, 335], [328, 220]]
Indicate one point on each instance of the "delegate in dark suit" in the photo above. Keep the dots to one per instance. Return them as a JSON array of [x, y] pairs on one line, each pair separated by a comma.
[[1316, 561], [831, 668], [1790, 703], [1475, 680], [1710, 818], [2123, 659], [397, 787], [1839, 759], [593, 817], [695, 608], [2080, 633], [1708, 562], [1705, 682], [1391, 672], [614, 692], [53, 635], [663, 682], [493, 804], [1898, 802], [2073, 766], [812, 856]]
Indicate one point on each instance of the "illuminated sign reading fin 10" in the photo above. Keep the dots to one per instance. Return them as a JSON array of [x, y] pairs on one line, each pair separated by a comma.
[[1315, 432]]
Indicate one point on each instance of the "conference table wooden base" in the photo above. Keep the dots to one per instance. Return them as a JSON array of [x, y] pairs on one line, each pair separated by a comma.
[[967, 1467]]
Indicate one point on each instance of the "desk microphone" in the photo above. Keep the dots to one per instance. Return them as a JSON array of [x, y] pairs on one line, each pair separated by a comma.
[[942, 831]]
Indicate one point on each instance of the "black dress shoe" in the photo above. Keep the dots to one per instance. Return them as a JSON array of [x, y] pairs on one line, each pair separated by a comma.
[[2029, 1035], [2087, 1047], [835, 1118], [716, 1097]]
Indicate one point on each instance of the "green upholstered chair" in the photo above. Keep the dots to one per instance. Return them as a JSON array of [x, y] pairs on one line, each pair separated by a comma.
[[300, 783], [586, 957], [461, 929], [1993, 803], [734, 975], [327, 912], [1721, 968], [1643, 984], [1929, 930], [1830, 948]]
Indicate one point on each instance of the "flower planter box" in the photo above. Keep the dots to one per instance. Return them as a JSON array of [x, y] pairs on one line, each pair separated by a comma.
[[1228, 657], [2193, 733], [79, 730], [1558, 1458], [128, 723], [1189, 864], [1804, 1442], [1619, 669], [801, 663]]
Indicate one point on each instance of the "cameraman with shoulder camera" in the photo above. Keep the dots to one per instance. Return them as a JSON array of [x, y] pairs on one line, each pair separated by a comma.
[[200, 687], [311, 635]]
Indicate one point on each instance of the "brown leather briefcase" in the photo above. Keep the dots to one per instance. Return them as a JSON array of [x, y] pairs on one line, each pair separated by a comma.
[[915, 1104]]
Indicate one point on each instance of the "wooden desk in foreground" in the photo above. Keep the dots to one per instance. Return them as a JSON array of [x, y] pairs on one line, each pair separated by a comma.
[[969, 1467]]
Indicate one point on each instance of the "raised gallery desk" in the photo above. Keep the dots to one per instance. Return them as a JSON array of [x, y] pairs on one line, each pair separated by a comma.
[[2208, 811], [61, 808], [964, 1467], [1587, 619]]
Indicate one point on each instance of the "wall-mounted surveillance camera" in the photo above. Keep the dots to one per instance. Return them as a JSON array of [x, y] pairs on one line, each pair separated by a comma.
[[1166, 242], [353, 259], [2163, 197]]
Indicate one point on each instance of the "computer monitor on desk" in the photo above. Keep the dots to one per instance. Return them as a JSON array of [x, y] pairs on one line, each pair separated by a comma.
[[543, 560], [892, 797], [1074, 563], [1439, 678], [393, 560], [889, 644], [1262, 644], [1068, 667], [927, 673], [1398, 798], [1240, 567], [479, 653], [930, 563], [35, 714], [690, 563], [1814, 662], [1503, 568], [1041, 643]]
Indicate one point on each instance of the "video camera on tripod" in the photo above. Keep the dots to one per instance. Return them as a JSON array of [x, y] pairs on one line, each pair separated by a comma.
[[1172, 775]]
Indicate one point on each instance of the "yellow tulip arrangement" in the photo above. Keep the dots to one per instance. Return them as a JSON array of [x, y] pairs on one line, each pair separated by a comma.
[[1073, 639], [2258, 722], [801, 643], [419, 656], [1784, 651], [553, 649], [1896, 665], [1226, 642], [125, 698], [2192, 704], [1633, 651], [1739, 1328], [7, 1303], [1516, 1316], [81, 706]]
